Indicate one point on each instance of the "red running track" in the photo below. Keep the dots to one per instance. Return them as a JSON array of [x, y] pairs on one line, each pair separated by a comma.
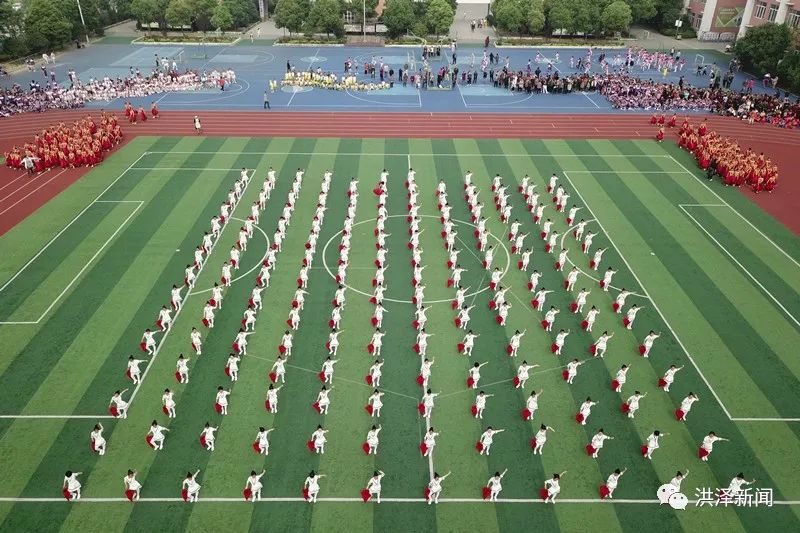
[[21, 196]]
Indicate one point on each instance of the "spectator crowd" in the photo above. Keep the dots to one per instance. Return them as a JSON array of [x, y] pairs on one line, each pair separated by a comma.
[[52, 95]]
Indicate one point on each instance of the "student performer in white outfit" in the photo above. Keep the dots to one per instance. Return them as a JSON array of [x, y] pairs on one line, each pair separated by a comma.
[[495, 485], [97, 440], [613, 481], [71, 486], [598, 441], [118, 405], [653, 443], [207, 436], [133, 370], [253, 485], [132, 486], [262, 440], [311, 484], [190, 487], [372, 439], [552, 487], [540, 439], [708, 445], [435, 487], [168, 403], [374, 485], [197, 341], [486, 439]]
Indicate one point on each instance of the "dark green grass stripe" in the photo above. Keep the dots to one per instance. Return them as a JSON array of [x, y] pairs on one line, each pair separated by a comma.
[[767, 370], [183, 452], [70, 444], [759, 268], [402, 427], [771, 227], [38, 271], [594, 379], [290, 460], [32, 365], [503, 409], [678, 261]]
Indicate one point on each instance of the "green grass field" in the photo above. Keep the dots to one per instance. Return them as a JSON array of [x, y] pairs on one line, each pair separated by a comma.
[[723, 274]]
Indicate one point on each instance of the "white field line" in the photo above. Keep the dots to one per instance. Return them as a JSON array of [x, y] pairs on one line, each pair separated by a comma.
[[57, 174], [188, 295], [655, 305], [85, 266], [692, 174], [185, 168], [751, 276], [40, 252], [428, 154], [29, 182], [163, 338], [561, 501], [14, 180]]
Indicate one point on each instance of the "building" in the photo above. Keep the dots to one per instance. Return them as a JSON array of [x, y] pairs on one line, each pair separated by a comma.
[[726, 20]]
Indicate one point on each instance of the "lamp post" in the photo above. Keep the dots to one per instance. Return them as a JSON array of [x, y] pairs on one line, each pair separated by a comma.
[[364, 20], [80, 11]]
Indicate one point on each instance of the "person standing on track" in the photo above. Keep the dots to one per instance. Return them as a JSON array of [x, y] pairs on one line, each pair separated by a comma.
[[198, 128]]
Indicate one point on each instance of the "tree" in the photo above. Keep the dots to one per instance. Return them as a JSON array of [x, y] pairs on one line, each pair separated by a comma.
[[642, 10], [535, 19], [398, 16], [202, 11], [763, 47], [560, 17], [179, 13], [356, 8], [326, 17], [508, 16], [616, 17], [147, 11], [789, 71], [439, 16], [91, 16], [46, 26], [222, 17], [243, 12], [584, 17], [12, 43], [291, 14]]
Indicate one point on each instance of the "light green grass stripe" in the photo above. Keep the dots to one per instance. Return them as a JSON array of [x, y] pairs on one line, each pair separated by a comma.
[[68, 379], [741, 395], [38, 228], [233, 458], [753, 304], [450, 368], [679, 447], [27, 238], [124, 446], [747, 235], [557, 405], [74, 370], [110, 218], [772, 445], [348, 468]]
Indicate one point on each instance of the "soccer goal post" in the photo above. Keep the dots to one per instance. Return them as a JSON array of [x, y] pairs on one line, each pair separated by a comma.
[[699, 60]]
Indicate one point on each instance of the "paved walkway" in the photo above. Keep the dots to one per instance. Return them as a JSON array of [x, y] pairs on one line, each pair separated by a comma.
[[461, 30]]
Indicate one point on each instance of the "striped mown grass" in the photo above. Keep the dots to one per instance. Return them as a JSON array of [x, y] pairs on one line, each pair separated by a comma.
[[722, 273]]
